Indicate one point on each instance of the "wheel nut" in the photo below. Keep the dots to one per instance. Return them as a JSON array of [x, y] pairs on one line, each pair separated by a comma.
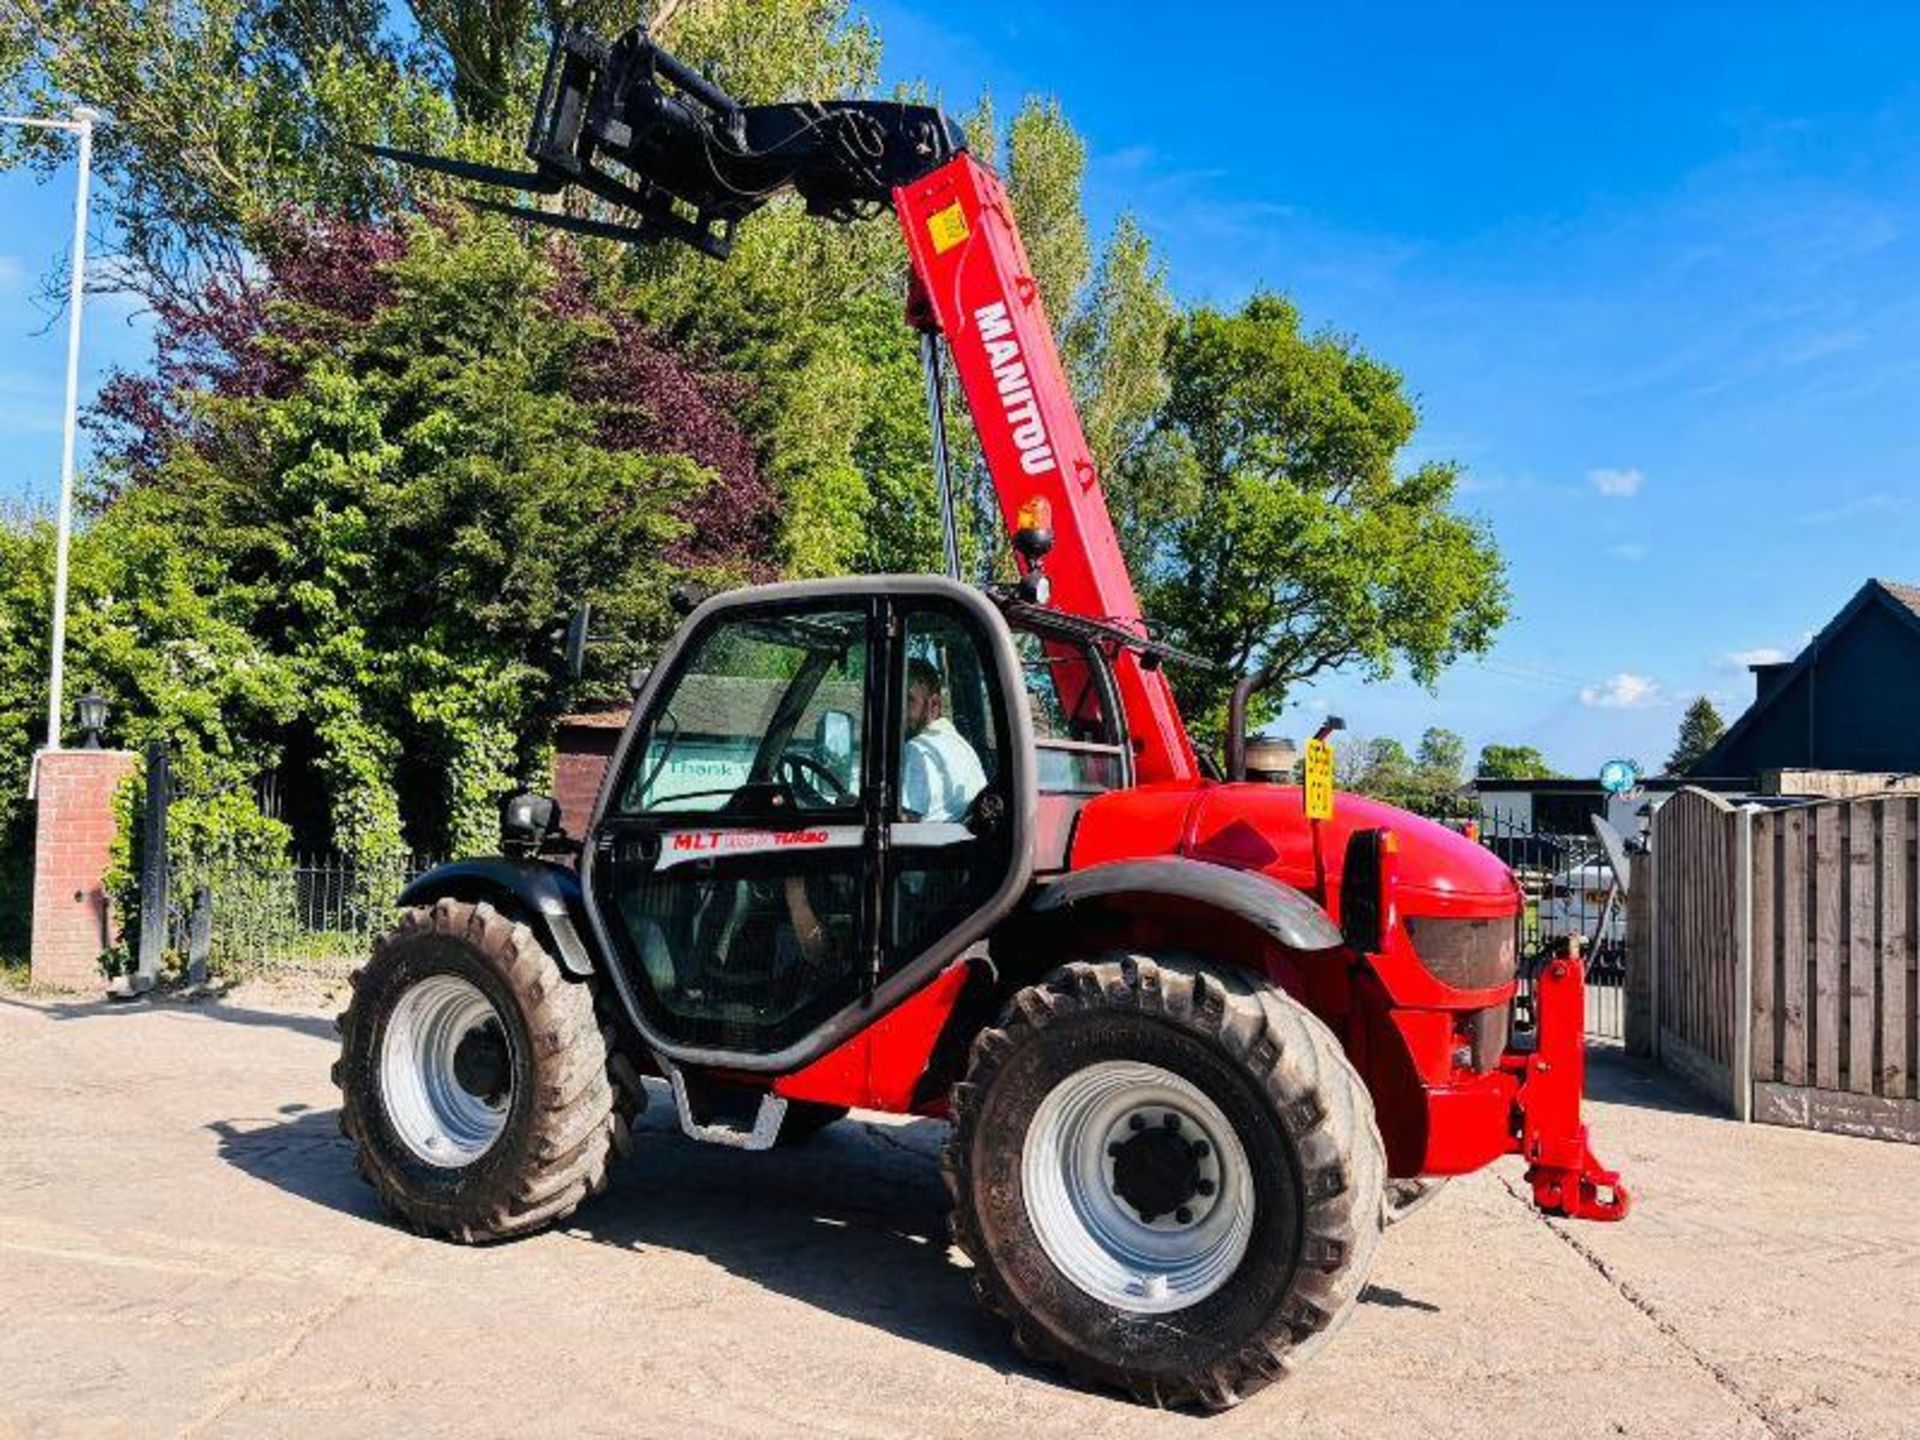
[[1136, 1122], [1201, 1149], [1183, 1215], [1113, 1152], [1171, 1121], [1203, 1187]]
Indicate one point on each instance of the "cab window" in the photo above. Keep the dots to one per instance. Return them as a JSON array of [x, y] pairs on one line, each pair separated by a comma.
[[1076, 736], [772, 701]]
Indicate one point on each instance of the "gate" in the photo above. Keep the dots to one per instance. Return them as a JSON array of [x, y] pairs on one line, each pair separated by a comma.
[[1567, 887]]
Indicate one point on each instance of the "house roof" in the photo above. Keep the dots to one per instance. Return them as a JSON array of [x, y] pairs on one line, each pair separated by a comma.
[[596, 720], [1907, 595], [1901, 600]]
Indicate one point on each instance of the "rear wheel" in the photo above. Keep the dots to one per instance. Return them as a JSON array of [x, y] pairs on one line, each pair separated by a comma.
[[1168, 1177], [473, 1077]]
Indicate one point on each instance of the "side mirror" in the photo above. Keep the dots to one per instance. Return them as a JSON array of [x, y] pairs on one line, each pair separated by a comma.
[[578, 629], [526, 821], [833, 739]]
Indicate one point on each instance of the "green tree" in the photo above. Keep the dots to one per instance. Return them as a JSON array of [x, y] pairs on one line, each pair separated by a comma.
[[1117, 354], [1513, 762], [393, 484], [1300, 548], [1700, 730], [1441, 762], [1046, 166], [223, 113], [150, 626], [1386, 771]]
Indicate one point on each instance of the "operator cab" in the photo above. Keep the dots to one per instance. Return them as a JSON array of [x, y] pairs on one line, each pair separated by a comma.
[[827, 791]]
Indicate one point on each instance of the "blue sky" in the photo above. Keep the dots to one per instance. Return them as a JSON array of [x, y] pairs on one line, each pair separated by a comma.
[[1651, 273]]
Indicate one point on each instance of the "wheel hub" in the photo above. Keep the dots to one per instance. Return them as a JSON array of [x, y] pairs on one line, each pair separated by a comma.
[[1157, 1170], [1137, 1186], [446, 1071], [480, 1064]]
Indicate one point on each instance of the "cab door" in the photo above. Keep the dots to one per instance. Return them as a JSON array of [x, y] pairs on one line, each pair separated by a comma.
[[956, 775], [734, 863], [752, 871]]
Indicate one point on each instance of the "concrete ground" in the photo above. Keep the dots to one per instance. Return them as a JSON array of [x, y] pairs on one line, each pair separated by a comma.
[[184, 1249]]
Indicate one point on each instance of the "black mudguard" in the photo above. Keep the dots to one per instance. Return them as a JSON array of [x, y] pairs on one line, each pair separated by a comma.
[[546, 896], [1274, 908]]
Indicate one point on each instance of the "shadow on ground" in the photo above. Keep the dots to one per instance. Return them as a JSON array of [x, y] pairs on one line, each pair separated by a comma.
[[1617, 1078], [853, 1223], [206, 1007]]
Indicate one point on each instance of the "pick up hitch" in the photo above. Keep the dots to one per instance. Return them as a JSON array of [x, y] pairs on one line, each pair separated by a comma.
[[1566, 1177]]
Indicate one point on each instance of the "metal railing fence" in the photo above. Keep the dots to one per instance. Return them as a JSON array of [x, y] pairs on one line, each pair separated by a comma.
[[311, 910]]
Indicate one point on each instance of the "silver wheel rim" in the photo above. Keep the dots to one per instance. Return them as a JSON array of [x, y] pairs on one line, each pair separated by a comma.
[[1091, 1233], [435, 1115]]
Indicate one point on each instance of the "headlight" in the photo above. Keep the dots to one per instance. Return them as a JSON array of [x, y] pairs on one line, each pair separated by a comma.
[[1466, 954]]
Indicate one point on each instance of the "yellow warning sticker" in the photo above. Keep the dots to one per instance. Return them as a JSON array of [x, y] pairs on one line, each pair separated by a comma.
[[948, 228], [1319, 786]]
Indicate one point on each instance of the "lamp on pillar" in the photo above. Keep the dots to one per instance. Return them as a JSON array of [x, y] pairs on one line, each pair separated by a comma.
[[92, 714]]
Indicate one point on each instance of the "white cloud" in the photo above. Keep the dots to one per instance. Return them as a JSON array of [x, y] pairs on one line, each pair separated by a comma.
[[1630, 550], [1765, 655], [1617, 484], [1625, 691]]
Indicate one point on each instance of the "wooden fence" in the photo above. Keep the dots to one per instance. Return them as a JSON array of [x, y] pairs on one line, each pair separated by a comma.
[[1695, 907], [1785, 974]]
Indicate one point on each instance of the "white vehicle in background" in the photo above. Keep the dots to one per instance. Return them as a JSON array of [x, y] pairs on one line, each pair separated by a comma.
[[1573, 901]]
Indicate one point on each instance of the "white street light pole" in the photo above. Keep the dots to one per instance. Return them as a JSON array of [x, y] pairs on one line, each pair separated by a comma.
[[81, 125]]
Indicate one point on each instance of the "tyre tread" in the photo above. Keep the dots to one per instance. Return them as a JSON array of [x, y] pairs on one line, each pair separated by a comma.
[[1300, 1065], [576, 1122]]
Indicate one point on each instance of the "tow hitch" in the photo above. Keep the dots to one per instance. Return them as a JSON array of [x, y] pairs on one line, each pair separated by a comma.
[[1566, 1177]]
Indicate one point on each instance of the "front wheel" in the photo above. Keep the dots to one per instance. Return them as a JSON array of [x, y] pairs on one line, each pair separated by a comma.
[[473, 1077], [1168, 1177]]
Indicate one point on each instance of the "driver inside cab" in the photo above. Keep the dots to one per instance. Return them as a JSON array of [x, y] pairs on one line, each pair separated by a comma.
[[940, 773]]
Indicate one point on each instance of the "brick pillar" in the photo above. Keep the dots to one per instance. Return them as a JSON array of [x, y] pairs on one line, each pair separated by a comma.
[[581, 752], [72, 840]]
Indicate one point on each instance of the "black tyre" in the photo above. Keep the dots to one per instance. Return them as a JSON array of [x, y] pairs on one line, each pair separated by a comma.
[[1168, 1178], [473, 1077]]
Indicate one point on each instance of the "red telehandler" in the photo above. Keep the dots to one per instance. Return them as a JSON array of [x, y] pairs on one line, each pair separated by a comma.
[[905, 844]]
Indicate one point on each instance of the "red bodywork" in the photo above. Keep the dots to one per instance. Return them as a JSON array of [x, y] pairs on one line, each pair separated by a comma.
[[1440, 1112]]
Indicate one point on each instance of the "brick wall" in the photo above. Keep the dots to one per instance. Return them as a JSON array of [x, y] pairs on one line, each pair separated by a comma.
[[581, 751], [74, 833]]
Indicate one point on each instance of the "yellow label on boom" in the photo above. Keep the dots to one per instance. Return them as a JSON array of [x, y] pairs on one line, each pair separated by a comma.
[[947, 228], [1319, 773]]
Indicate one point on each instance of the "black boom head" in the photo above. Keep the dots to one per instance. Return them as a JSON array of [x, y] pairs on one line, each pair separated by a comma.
[[673, 156]]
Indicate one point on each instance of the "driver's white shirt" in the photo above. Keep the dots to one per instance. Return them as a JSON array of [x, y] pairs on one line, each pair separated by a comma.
[[941, 774]]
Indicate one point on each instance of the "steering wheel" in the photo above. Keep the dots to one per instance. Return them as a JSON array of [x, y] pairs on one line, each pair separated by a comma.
[[803, 773]]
